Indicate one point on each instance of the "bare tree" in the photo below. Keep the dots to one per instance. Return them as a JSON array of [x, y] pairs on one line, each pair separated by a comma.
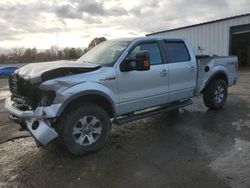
[[17, 53], [30, 55], [3, 58], [96, 41]]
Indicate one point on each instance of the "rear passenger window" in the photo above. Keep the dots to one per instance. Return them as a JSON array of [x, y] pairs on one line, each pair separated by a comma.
[[176, 52], [153, 50]]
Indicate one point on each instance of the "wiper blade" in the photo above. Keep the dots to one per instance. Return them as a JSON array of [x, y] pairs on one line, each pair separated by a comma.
[[88, 62]]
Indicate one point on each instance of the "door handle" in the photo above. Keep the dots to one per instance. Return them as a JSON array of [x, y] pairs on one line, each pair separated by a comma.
[[163, 73]]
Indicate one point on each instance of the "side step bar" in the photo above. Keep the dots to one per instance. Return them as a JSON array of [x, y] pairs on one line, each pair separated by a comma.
[[165, 108]]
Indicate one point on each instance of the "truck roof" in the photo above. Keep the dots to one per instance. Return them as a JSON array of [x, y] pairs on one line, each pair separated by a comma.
[[149, 38]]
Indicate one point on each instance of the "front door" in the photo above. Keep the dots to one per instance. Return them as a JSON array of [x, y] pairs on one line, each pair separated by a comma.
[[142, 89]]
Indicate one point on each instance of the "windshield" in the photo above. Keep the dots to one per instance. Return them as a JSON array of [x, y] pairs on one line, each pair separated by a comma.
[[105, 54]]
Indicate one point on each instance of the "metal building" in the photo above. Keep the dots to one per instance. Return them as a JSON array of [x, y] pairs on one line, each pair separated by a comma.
[[228, 36]]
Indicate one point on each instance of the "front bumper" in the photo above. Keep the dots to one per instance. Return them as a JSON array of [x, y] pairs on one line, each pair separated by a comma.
[[39, 112], [36, 121]]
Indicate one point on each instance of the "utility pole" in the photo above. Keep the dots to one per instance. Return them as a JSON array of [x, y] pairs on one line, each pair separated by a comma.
[[57, 47]]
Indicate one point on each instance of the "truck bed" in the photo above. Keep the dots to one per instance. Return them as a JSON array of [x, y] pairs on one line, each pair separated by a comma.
[[209, 65]]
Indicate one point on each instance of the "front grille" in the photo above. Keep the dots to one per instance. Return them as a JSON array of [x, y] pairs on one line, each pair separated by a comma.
[[13, 83], [23, 93]]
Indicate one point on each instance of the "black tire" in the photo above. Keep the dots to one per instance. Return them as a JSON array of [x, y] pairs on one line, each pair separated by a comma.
[[69, 121], [211, 97]]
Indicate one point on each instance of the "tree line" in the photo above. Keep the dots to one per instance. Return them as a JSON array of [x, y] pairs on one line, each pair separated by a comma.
[[27, 55]]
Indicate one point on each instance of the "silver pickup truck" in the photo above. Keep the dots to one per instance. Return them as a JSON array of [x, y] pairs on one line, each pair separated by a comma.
[[118, 81]]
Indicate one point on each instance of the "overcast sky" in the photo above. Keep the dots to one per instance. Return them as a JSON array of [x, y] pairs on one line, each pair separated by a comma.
[[34, 23]]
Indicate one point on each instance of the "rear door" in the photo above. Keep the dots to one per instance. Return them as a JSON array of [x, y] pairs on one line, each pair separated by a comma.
[[143, 89], [182, 70]]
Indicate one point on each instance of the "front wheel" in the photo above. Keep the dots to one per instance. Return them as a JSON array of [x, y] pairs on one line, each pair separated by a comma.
[[215, 94], [84, 128]]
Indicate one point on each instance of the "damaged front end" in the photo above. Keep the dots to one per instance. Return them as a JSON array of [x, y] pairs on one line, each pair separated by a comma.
[[33, 94], [32, 108], [27, 96]]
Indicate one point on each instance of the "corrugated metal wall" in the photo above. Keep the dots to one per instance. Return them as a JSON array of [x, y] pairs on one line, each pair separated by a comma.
[[212, 37]]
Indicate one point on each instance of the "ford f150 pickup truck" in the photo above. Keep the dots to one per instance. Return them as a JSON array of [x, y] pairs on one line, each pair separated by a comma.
[[115, 82]]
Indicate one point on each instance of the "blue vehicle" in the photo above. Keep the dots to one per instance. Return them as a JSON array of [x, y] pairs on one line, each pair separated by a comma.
[[5, 71]]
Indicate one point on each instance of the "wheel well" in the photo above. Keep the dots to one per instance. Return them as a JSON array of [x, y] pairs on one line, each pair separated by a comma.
[[216, 76], [95, 99], [220, 76]]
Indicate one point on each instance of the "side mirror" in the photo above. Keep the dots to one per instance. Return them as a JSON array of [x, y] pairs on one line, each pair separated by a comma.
[[140, 63]]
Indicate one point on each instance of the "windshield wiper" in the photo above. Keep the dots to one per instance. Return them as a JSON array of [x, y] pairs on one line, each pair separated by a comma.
[[88, 62]]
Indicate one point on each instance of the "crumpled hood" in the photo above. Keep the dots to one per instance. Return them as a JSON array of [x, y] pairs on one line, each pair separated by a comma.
[[38, 72]]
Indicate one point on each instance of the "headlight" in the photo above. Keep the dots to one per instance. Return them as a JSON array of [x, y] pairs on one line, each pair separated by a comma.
[[47, 97]]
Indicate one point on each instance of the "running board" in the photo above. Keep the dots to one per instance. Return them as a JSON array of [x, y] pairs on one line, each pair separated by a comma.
[[168, 107]]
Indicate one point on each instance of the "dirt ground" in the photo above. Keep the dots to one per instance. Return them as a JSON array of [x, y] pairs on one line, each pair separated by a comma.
[[195, 148]]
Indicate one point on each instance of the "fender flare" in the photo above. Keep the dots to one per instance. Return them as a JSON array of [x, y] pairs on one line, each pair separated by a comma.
[[214, 75], [82, 94]]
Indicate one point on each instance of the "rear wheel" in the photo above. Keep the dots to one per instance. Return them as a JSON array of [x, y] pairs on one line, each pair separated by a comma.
[[84, 128], [215, 94]]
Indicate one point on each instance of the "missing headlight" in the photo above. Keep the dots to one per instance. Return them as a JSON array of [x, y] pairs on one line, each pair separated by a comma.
[[47, 97]]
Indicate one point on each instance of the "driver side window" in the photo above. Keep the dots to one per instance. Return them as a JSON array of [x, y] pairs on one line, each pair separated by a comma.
[[153, 50]]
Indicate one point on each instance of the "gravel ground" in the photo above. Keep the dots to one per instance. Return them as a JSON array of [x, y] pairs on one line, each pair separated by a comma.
[[195, 148]]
